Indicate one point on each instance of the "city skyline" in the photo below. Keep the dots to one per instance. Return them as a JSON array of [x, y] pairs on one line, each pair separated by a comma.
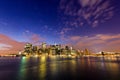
[[92, 24]]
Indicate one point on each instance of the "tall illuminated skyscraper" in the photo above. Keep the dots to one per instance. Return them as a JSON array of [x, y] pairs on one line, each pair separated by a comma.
[[86, 52], [28, 48], [43, 45]]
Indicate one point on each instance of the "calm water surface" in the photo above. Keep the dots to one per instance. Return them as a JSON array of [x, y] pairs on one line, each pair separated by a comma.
[[59, 68]]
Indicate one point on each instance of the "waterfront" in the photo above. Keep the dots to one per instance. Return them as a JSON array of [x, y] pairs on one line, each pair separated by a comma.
[[59, 68]]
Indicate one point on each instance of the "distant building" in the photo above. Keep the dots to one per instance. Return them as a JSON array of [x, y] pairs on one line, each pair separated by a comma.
[[55, 49], [43, 45], [86, 52], [28, 48]]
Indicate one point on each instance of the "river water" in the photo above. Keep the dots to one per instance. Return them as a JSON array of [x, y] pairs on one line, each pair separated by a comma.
[[59, 68]]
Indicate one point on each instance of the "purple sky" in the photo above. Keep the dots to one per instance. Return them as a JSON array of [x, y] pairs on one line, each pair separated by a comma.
[[92, 24]]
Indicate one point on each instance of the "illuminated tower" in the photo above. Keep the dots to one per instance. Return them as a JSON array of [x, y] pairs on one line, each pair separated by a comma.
[[34, 49], [28, 48], [43, 45], [86, 52], [28, 45]]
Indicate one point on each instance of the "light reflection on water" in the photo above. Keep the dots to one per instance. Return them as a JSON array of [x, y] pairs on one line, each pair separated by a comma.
[[60, 68], [42, 68], [22, 70]]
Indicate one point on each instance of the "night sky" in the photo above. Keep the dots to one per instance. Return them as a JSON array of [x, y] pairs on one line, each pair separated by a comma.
[[92, 24]]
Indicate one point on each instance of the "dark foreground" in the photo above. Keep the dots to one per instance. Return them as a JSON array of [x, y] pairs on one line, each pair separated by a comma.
[[58, 68]]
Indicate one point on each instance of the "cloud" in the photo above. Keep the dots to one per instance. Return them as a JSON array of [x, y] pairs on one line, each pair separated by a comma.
[[8, 45], [36, 39], [4, 47], [75, 38], [85, 3], [91, 12], [96, 43], [64, 30], [33, 38], [63, 33], [108, 37]]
